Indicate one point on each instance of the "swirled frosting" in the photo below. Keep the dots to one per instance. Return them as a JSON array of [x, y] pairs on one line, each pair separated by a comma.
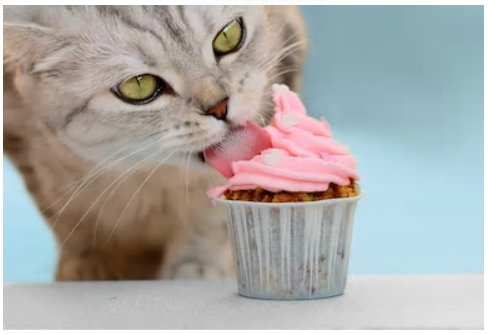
[[302, 155]]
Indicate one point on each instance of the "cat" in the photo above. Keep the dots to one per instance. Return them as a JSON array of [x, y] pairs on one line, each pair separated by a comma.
[[107, 110]]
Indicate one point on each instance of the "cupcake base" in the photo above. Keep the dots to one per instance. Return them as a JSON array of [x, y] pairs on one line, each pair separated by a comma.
[[291, 251], [265, 196]]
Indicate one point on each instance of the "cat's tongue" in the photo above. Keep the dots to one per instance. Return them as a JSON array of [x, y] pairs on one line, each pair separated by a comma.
[[242, 144]]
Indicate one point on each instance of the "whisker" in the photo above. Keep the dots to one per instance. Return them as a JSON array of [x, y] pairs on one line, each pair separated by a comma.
[[275, 59], [129, 172], [187, 196], [263, 121], [107, 198], [83, 179], [93, 175], [135, 194], [291, 70]]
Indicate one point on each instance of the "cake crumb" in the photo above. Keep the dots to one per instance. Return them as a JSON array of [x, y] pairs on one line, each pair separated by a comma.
[[265, 196]]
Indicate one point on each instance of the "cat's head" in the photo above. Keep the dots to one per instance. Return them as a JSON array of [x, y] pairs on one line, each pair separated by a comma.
[[145, 83]]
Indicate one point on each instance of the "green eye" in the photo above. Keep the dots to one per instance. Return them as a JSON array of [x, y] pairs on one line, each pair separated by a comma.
[[139, 89], [229, 39]]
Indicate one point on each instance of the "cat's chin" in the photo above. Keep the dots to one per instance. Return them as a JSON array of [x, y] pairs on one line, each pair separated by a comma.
[[196, 160], [201, 157]]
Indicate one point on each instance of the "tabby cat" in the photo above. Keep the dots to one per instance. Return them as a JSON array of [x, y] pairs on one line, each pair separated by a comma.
[[107, 110]]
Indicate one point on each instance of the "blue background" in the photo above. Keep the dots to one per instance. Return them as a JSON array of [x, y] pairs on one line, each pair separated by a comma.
[[403, 87]]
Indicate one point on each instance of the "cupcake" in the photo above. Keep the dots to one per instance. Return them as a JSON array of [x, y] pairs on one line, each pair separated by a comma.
[[291, 195]]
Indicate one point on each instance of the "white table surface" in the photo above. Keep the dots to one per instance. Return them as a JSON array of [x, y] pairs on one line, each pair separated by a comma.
[[370, 302]]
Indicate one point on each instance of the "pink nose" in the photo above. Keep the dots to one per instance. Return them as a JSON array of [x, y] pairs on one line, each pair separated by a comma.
[[219, 111]]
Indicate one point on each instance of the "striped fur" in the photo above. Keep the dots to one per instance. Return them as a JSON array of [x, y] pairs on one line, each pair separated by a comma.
[[120, 185]]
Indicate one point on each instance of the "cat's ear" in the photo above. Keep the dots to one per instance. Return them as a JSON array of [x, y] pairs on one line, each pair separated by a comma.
[[29, 44]]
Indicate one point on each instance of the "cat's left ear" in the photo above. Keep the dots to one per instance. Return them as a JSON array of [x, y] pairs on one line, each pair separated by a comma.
[[29, 45]]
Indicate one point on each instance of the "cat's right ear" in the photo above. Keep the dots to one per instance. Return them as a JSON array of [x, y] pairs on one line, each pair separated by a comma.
[[28, 45]]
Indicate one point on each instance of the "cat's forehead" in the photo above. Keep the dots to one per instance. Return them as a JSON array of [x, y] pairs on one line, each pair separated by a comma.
[[113, 43], [156, 33], [203, 19], [200, 20]]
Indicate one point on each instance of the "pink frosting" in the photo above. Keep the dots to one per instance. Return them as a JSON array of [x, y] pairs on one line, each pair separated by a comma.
[[303, 158]]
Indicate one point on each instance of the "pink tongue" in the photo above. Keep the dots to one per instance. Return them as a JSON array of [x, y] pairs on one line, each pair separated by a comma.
[[242, 144]]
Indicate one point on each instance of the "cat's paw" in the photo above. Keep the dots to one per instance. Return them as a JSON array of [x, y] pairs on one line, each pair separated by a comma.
[[95, 266], [195, 269], [86, 268]]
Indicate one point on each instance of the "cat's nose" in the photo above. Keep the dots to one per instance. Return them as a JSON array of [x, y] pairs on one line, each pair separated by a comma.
[[219, 111]]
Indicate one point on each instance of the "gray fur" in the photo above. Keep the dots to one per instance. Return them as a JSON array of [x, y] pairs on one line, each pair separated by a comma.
[[60, 63]]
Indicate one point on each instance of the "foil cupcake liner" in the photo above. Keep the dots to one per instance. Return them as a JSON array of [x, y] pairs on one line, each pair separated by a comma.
[[289, 251]]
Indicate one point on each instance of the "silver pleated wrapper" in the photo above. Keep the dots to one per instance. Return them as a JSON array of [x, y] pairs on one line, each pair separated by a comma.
[[290, 251]]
